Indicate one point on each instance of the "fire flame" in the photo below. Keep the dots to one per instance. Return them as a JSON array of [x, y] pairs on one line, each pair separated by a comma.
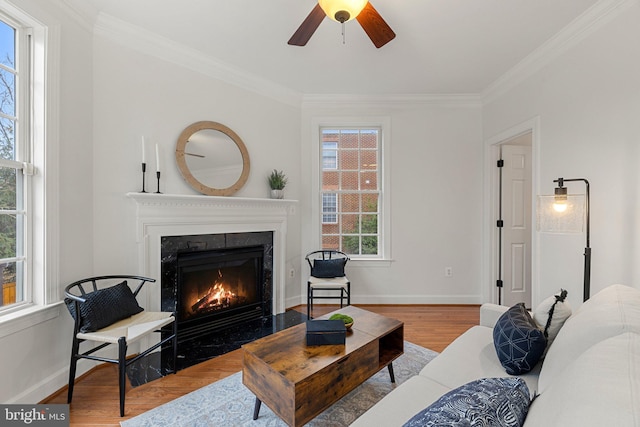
[[216, 296]]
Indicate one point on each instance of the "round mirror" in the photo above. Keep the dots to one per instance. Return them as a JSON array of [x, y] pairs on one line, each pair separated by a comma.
[[212, 159]]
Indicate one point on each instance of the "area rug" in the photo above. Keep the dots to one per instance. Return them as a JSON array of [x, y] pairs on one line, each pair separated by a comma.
[[229, 403]]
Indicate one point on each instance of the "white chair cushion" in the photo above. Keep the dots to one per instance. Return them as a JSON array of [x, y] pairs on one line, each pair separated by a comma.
[[318, 282], [132, 328]]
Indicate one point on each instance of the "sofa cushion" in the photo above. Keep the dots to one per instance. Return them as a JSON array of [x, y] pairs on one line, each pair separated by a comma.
[[104, 307], [612, 311], [518, 342], [486, 401], [470, 357], [551, 314], [601, 387]]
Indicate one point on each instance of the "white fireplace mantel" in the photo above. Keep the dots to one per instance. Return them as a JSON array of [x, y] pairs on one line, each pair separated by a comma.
[[159, 215]]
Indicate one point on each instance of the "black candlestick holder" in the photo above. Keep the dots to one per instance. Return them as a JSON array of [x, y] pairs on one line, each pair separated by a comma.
[[144, 170], [158, 176]]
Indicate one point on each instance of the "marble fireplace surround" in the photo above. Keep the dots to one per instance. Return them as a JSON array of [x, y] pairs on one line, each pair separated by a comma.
[[159, 215]]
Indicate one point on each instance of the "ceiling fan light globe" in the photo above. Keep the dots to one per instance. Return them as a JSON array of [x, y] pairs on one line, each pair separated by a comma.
[[335, 9]]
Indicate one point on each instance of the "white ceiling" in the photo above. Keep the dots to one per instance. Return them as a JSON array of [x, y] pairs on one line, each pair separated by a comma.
[[441, 47]]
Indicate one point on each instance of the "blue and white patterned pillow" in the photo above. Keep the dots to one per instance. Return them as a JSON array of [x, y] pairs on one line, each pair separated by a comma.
[[502, 402], [518, 341]]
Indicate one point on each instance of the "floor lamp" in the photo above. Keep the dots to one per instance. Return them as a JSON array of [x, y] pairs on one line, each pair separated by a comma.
[[566, 216]]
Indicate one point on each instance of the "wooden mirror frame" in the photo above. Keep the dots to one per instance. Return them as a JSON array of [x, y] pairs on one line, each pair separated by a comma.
[[186, 173]]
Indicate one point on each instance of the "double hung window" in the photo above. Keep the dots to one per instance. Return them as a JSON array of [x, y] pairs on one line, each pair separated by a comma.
[[14, 160], [350, 190]]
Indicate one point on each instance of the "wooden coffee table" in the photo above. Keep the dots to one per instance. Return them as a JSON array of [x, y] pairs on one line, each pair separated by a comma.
[[299, 382]]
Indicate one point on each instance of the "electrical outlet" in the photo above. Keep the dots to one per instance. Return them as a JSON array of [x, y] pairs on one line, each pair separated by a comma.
[[292, 273], [448, 272]]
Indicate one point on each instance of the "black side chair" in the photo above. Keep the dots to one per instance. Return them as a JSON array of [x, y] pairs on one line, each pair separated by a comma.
[[107, 312], [327, 274]]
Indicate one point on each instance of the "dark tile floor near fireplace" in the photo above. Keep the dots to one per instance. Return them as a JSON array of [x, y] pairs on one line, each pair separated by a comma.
[[215, 344]]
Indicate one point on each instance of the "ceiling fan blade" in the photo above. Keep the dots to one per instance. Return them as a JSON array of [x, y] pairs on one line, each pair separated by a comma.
[[376, 28], [308, 27]]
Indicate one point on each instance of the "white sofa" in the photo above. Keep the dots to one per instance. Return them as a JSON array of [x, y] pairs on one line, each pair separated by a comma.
[[589, 377]]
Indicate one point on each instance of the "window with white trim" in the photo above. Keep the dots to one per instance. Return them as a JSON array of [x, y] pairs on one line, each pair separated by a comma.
[[354, 184], [13, 156], [23, 51]]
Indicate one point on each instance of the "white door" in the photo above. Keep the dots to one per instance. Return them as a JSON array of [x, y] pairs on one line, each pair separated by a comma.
[[516, 214]]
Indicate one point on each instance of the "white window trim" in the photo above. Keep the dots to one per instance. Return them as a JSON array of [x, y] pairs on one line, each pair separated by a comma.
[[382, 122], [43, 280]]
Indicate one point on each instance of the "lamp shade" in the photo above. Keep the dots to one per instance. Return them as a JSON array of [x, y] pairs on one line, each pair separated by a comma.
[[550, 219], [335, 8]]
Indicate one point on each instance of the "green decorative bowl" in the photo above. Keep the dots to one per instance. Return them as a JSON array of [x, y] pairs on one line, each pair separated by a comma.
[[348, 321]]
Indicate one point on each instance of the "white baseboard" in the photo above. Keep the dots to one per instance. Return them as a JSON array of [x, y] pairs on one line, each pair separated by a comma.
[[395, 299], [48, 386]]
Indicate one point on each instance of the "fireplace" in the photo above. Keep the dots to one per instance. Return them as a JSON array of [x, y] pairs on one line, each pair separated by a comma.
[[214, 283], [217, 288]]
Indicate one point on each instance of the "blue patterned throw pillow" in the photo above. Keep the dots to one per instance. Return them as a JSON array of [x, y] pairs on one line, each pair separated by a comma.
[[518, 341], [502, 402]]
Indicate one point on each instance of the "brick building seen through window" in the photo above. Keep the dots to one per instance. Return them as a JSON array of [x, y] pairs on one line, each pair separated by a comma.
[[350, 190]]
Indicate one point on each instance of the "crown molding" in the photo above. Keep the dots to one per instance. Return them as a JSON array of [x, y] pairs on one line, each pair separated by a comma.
[[150, 43], [82, 12], [390, 101], [595, 17]]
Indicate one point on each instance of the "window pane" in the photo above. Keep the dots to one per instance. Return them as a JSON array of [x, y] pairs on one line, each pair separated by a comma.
[[330, 242], [369, 245], [350, 223], [7, 45], [350, 202], [370, 203], [368, 160], [7, 91], [368, 181], [351, 245], [349, 138], [349, 181], [369, 224], [349, 160], [369, 138], [8, 185], [7, 139], [9, 273], [8, 229]]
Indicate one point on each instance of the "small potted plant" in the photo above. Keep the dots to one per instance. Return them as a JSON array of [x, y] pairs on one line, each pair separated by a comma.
[[277, 181]]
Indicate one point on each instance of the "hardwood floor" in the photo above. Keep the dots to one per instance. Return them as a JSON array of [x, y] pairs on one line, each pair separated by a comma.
[[95, 397]]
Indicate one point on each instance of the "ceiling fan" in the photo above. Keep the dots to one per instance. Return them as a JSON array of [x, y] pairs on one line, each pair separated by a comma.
[[342, 11]]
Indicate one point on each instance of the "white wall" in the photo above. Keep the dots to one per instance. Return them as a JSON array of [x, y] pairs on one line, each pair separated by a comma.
[[136, 94], [436, 187], [588, 105]]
